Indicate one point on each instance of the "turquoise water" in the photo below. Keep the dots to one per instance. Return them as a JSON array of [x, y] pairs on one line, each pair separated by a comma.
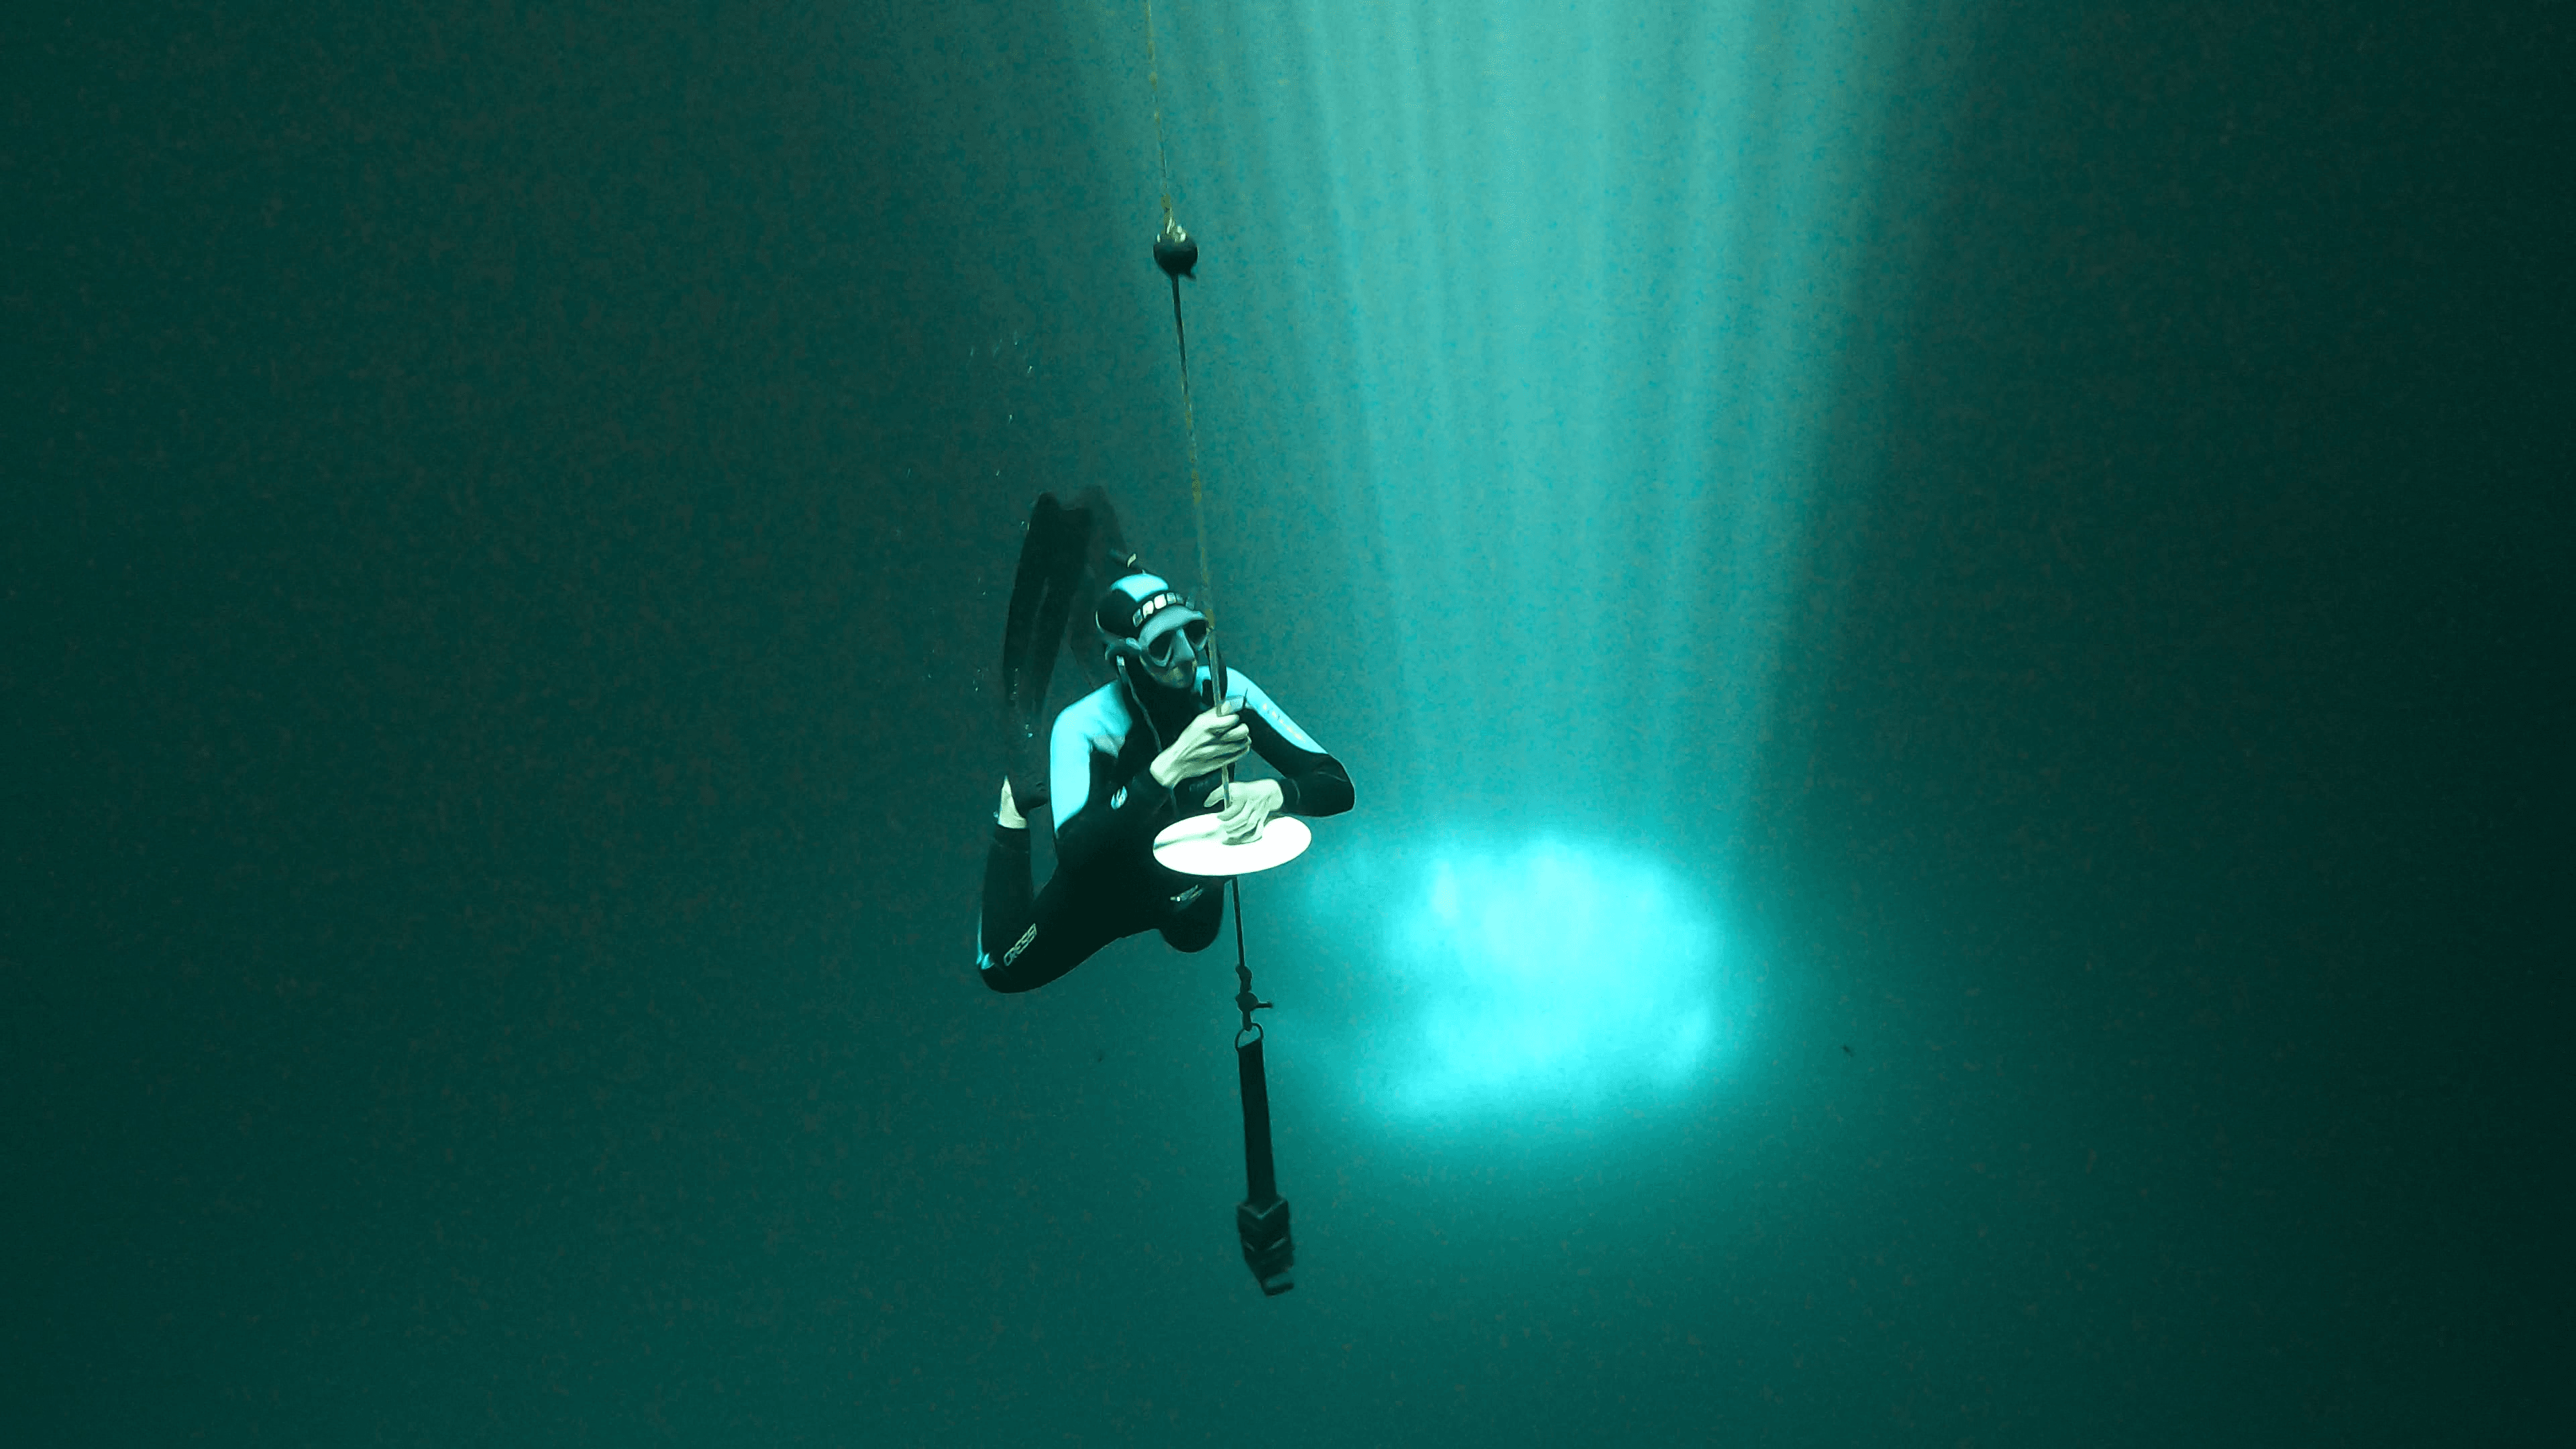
[[1940, 616]]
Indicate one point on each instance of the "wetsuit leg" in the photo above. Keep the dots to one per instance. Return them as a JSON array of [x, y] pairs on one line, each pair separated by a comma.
[[1192, 925], [1024, 942]]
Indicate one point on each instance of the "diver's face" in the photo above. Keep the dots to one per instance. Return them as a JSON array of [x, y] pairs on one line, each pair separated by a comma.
[[1183, 671]]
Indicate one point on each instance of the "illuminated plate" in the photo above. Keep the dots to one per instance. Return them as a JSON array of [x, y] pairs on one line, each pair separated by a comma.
[[1196, 846]]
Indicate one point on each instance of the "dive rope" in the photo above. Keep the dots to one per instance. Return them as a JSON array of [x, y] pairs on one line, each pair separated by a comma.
[[1176, 254], [1261, 1219]]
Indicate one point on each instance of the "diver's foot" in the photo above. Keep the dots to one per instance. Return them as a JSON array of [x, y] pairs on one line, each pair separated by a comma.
[[1009, 816]]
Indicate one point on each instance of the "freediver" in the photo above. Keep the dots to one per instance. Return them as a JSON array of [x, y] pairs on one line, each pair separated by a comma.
[[1143, 749]]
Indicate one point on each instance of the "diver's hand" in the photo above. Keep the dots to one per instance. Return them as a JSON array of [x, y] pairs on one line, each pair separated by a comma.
[[1254, 802], [1207, 744]]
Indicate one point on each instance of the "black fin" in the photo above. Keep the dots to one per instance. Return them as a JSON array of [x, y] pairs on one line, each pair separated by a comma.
[[1103, 563], [1044, 592], [1028, 591]]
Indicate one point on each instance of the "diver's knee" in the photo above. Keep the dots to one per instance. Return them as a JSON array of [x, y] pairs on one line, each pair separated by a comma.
[[995, 975], [1190, 943]]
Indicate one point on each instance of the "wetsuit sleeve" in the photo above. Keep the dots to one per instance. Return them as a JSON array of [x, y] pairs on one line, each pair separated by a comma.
[[1311, 782], [1096, 814]]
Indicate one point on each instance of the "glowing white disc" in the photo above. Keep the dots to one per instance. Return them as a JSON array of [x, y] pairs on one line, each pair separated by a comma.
[[1197, 846]]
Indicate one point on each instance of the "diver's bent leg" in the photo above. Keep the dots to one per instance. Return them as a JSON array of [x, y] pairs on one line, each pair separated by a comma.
[[1066, 928], [1194, 924], [1021, 943], [1009, 912]]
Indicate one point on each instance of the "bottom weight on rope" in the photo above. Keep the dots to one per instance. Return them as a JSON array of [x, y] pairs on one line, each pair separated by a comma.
[[1267, 1248]]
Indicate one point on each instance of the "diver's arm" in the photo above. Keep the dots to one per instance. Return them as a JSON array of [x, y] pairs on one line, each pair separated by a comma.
[[1324, 789], [1311, 781], [1104, 815]]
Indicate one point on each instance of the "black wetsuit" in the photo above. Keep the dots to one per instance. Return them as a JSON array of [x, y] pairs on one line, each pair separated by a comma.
[[1107, 808]]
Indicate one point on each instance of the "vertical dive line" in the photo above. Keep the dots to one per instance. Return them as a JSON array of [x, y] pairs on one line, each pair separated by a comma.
[[1190, 433], [1189, 413], [1154, 82]]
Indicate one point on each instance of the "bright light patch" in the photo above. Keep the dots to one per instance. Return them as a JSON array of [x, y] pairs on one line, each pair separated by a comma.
[[1553, 973]]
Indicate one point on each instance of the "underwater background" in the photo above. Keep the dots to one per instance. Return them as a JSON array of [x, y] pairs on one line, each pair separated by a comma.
[[1950, 623]]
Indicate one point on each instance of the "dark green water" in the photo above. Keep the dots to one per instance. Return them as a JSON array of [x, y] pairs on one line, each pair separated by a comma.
[[2012, 555]]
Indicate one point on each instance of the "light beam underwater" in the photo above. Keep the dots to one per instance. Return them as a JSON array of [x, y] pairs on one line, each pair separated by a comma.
[[1517, 369], [1532, 316]]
